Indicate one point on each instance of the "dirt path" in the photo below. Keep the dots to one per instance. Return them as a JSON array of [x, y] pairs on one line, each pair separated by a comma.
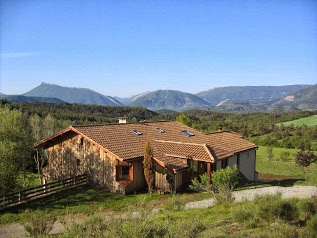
[[16, 230], [249, 194]]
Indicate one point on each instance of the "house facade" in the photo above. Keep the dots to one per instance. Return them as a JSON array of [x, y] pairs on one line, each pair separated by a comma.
[[111, 155]]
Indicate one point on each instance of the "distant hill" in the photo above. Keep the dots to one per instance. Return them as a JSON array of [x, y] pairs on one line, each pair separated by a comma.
[[168, 99], [72, 95], [304, 99], [248, 94], [20, 99], [2, 94]]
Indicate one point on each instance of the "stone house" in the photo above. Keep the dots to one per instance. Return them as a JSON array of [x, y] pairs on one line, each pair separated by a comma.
[[111, 155]]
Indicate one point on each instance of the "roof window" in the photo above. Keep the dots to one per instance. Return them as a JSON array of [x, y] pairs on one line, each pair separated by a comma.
[[187, 133], [137, 132], [160, 130]]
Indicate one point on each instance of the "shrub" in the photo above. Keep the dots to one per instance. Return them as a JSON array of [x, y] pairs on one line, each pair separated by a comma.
[[225, 180], [269, 153], [201, 183], [268, 206], [306, 208], [175, 203], [285, 156], [246, 215], [288, 211], [282, 230], [312, 226], [39, 223], [271, 207]]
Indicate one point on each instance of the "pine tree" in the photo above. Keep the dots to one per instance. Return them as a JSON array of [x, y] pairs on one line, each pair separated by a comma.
[[147, 165]]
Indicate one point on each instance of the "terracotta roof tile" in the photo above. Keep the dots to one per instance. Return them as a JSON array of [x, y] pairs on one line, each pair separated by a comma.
[[122, 141], [185, 150]]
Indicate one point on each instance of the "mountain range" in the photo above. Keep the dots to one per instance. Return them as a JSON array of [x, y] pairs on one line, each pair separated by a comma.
[[226, 99]]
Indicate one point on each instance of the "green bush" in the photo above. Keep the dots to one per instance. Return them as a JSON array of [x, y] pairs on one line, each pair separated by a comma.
[[272, 207], [245, 214], [268, 206], [288, 211], [201, 183], [225, 180]]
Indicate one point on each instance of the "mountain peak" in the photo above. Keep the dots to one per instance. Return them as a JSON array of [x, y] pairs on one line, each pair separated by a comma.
[[72, 95]]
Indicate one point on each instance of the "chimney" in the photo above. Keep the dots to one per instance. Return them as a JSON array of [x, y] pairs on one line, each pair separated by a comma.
[[122, 120]]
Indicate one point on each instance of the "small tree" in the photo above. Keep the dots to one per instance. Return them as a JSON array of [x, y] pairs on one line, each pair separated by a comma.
[[269, 153], [147, 165], [225, 180], [304, 159]]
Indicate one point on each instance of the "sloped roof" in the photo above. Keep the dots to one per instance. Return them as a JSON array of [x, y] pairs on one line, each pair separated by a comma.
[[185, 150], [170, 143], [229, 142]]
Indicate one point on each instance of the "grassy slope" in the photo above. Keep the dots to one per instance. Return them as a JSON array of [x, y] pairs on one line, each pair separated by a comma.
[[90, 200], [309, 121], [289, 168]]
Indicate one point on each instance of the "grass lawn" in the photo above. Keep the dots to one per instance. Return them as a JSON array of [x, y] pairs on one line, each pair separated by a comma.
[[309, 121], [288, 168], [90, 200]]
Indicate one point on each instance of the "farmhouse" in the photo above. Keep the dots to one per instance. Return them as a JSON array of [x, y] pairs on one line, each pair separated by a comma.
[[111, 155]]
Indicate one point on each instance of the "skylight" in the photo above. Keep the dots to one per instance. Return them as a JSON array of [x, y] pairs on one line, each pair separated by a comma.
[[187, 133], [160, 130], [137, 132]]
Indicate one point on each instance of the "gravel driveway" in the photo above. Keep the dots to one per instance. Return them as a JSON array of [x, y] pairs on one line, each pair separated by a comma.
[[249, 194]]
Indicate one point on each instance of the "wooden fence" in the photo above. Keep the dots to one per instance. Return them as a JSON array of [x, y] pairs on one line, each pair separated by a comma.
[[27, 195]]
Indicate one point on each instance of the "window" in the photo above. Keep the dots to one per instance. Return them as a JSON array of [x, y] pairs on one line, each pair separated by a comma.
[[137, 132], [78, 162], [187, 133], [160, 130], [123, 172], [238, 160], [82, 141]]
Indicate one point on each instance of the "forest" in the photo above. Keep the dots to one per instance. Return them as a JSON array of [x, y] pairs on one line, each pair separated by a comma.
[[21, 125]]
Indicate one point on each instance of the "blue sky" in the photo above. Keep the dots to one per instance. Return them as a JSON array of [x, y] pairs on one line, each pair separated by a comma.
[[122, 48]]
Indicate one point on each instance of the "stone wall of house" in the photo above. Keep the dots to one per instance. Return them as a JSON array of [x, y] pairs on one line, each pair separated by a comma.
[[77, 156], [138, 182]]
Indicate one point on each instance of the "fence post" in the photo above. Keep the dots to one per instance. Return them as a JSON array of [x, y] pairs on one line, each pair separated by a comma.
[[19, 196], [3, 201], [75, 180]]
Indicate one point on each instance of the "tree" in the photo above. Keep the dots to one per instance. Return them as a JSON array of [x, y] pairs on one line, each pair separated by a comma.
[[15, 148], [48, 126], [184, 119], [147, 165], [304, 159], [269, 152], [225, 180]]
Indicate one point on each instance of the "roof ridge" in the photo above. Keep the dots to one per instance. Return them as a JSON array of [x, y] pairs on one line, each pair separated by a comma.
[[128, 123]]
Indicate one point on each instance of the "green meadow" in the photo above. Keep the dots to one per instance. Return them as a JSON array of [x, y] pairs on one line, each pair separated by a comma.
[[309, 121]]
